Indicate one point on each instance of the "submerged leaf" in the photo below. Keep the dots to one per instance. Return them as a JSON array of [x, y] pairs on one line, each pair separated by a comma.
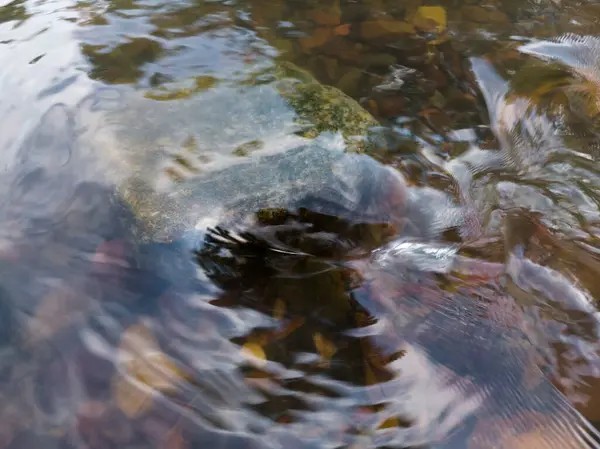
[[431, 18], [290, 327], [131, 400], [279, 310], [144, 370], [325, 347], [143, 361], [60, 308], [390, 422], [156, 371], [174, 439], [342, 30], [254, 353], [137, 338]]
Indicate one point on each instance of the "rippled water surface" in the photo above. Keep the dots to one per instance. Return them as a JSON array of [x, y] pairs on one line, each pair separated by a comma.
[[299, 224]]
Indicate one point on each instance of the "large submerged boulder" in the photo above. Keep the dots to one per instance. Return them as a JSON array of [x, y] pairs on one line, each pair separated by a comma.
[[226, 152]]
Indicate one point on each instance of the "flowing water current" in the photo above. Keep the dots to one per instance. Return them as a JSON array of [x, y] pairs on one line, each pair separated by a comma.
[[291, 224]]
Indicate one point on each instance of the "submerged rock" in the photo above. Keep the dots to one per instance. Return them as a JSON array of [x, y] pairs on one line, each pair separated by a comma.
[[316, 174], [324, 108], [317, 107], [385, 29], [263, 145]]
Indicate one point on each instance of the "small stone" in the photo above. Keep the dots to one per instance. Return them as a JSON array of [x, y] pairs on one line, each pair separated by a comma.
[[436, 76], [283, 45], [438, 100], [498, 17], [342, 30], [379, 60], [331, 16], [356, 12], [331, 67], [390, 106], [344, 50], [475, 13], [374, 29], [266, 13], [371, 106], [319, 37], [92, 410], [480, 14], [410, 9], [326, 66], [350, 82], [436, 118]]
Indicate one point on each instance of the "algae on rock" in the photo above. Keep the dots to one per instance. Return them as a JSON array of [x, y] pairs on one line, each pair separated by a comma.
[[322, 108], [319, 107]]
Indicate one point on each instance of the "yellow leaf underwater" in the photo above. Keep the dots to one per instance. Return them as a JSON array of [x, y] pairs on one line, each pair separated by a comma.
[[142, 364], [130, 399], [342, 30], [142, 358], [137, 338], [325, 348], [255, 354], [279, 310], [156, 371], [389, 423], [174, 439], [431, 18]]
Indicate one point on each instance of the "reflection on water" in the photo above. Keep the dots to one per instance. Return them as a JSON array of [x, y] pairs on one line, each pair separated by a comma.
[[299, 224]]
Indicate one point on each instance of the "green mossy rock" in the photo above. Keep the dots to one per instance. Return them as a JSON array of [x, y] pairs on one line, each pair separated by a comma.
[[322, 108], [179, 140]]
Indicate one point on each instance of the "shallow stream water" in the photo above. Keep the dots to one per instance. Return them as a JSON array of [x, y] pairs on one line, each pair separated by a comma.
[[183, 266]]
